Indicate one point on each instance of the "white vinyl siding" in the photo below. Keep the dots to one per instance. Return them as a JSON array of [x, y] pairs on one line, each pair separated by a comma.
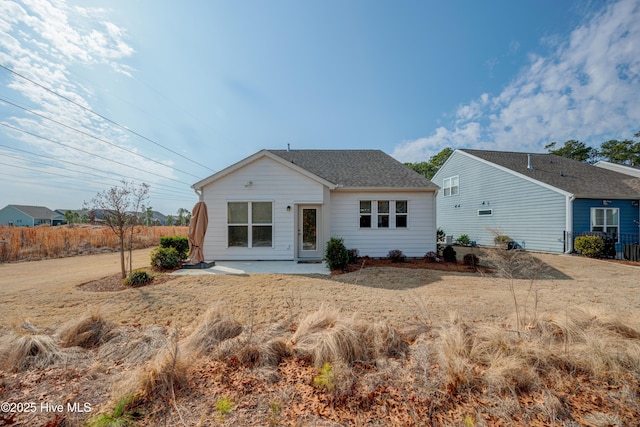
[[415, 236], [533, 215], [272, 183]]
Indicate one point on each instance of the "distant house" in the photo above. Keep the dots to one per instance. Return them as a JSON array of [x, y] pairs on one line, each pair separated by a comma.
[[625, 169], [286, 204], [29, 216], [541, 201]]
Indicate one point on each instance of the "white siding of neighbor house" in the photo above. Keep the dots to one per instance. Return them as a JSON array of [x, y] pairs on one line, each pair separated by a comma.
[[531, 214], [271, 181], [414, 241]]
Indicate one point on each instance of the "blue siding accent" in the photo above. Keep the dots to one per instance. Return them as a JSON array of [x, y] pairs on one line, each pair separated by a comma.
[[628, 214], [13, 216]]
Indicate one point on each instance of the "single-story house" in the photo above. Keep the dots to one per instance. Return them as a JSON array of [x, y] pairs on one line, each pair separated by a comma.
[[29, 216], [541, 201], [286, 204]]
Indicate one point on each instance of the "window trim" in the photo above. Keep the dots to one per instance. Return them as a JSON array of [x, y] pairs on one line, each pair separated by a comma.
[[250, 224], [391, 215], [604, 226], [447, 185]]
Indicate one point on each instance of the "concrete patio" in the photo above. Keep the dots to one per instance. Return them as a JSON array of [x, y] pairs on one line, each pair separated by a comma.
[[258, 267]]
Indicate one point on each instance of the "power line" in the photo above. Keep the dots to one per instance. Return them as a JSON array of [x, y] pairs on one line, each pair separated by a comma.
[[104, 118], [167, 187], [89, 153], [95, 137]]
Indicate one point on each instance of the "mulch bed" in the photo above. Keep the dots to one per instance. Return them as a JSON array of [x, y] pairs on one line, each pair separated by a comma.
[[416, 263], [115, 283]]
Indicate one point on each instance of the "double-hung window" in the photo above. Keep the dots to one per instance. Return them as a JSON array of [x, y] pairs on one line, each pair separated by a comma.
[[606, 220], [250, 224], [451, 186], [383, 213]]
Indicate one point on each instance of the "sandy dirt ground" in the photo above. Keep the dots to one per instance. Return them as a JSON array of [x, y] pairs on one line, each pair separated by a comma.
[[47, 294]]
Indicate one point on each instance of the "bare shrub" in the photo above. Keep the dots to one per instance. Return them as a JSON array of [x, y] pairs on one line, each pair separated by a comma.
[[89, 331]]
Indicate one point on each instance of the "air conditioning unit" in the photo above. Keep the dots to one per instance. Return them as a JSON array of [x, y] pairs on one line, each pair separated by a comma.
[[449, 240]]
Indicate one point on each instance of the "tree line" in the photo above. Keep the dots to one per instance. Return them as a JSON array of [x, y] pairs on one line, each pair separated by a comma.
[[625, 152]]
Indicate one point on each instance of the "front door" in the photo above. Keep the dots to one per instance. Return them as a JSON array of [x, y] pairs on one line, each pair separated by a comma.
[[309, 232]]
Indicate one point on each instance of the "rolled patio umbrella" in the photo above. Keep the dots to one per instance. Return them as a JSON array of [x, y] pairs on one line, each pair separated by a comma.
[[197, 230]]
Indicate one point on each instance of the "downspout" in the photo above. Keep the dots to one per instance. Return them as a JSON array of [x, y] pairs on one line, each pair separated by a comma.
[[569, 223], [435, 218], [200, 193]]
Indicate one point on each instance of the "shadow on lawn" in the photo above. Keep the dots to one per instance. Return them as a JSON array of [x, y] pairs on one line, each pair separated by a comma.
[[415, 273]]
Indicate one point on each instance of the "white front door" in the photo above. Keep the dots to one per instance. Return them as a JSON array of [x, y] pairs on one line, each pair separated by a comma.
[[309, 245]]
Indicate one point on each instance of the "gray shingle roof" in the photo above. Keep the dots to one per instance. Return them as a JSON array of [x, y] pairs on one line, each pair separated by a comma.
[[356, 168], [37, 212], [580, 179]]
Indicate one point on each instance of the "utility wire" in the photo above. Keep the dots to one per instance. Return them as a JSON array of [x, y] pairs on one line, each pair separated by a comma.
[[167, 187], [91, 154], [95, 137], [79, 171], [104, 118]]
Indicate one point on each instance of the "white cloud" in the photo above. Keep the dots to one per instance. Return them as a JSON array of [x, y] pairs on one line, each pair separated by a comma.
[[47, 41], [586, 88]]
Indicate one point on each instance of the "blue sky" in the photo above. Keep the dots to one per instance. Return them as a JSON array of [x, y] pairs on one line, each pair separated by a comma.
[[184, 89]]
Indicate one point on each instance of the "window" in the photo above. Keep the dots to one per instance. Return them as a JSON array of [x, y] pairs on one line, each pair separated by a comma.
[[451, 186], [485, 212], [401, 214], [605, 220], [365, 214], [381, 213], [250, 222]]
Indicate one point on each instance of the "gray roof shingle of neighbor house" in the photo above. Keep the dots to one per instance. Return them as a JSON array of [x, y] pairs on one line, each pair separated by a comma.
[[357, 168], [572, 176], [37, 212]]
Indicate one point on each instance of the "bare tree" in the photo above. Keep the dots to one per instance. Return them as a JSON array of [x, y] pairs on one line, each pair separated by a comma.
[[119, 206]]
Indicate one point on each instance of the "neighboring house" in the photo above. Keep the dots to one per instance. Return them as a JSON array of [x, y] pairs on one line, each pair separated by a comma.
[[625, 169], [541, 201], [286, 204], [29, 216]]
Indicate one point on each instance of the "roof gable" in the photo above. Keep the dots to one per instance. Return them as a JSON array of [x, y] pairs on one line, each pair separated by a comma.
[[571, 176], [254, 157], [358, 169]]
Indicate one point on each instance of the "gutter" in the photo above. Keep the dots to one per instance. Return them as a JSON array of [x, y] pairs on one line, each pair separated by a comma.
[[569, 223]]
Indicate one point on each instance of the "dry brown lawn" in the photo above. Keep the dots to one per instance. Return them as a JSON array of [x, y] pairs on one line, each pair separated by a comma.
[[47, 293], [406, 346]]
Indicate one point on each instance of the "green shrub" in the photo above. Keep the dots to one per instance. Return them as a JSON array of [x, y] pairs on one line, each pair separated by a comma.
[[471, 259], [449, 254], [180, 243], [463, 240], [138, 278], [165, 258], [441, 235], [336, 254], [501, 240], [396, 256], [589, 246]]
